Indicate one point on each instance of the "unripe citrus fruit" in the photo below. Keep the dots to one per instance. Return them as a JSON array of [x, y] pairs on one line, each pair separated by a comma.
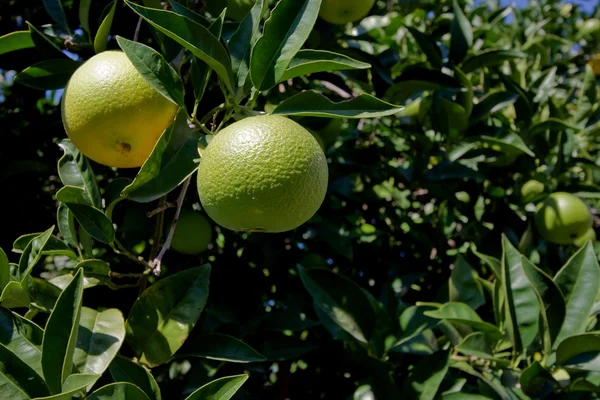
[[237, 9], [343, 11], [111, 114], [591, 27], [193, 233], [590, 234], [531, 189], [265, 173], [562, 218]]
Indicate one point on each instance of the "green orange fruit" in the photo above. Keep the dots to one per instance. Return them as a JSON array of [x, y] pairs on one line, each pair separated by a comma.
[[341, 12], [263, 174], [111, 114], [531, 189], [562, 218], [193, 233]]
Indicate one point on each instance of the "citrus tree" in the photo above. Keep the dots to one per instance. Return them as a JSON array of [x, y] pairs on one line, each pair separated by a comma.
[[299, 199]]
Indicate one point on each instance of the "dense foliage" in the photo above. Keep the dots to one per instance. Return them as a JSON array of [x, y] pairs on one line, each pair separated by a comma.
[[421, 276]]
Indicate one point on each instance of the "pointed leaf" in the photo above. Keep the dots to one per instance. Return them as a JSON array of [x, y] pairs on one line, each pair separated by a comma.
[[511, 143], [312, 103], [220, 347], [186, 12], [459, 313], [14, 41], [155, 70], [427, 376], [463, 285], [429, 47], [101, 38], [490, 58], [219, 389], [55, 10], [476, 344], [48, 74], [14, 296], [553, 125], [75, 170], [491, 104], [578, 281], [23, 338], [75, 384], [124, 370], [461, 35], [200, 71], [66, 225], [118, 391], [54, 246], [60, 336], [580, 352], [32, 254], [164, 315], [73, 195], [94, 222], [537, 382], [311, 61], [286, 30], [18, 381], [243, 39], [96, 272]]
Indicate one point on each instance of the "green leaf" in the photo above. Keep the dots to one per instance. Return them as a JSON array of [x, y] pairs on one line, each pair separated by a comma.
[[459, 313], [118, 391], [23, 338], [429, 47], [124, 370], [583, 385], [243, 39], [42, 292], [490, 58], [14, 41], [587, 95], [54, 246], [417, 79], [66, 224], [32, 254], [73, 195], [451, 117], [492, 262], [186, 12], [75, 384], [552, 303], [18, 381], [96, 272], [43, 43], [465, 99], [510, 144], [461, 35], [553, 125], [491, 104], [311, 61], [14, 296], [75, 170], [312, 103], [192, 36], [464, 396], [427, 376], [219, 389], [101, 38], [84, 15], [4, 270], [463, 285], [55, 10], [113, 194], [580, 352], [537, 382], [476, 344], [521, 302], [578, 281], [94, 222], [286, 30], [60, 336], [164, 315], [155, 70], [169, 165], [220, 347], [48, 74], [99, 339], [342, 300]]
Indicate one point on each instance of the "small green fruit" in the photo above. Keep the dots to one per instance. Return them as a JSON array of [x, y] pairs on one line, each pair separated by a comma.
[[531, 189], [562, 218], [193, 233]]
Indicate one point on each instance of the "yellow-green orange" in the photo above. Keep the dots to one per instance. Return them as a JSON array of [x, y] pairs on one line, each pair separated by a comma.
[[590, 234], [263, 174], [237, 9], [343, 11], [193, 233], [562, 218], [531, 189], [111, 114]]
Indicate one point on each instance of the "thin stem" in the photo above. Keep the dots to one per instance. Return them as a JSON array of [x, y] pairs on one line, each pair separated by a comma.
[[210, 114], [156, 263], [137, 30], [128, 275], [124, 252], [160, 209]]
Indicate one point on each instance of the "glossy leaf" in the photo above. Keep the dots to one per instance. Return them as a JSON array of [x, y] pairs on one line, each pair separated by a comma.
[[186, 12], [48, 74], [220, 347], [191, 35], [429, 47], [118, 391], [521, 302], [219, 389], [18, 381], [74, 385], [14, 296], [476, 344], [99, 339], [342, 300], [60, 336], [155, 69], [284, 33], [96, 272], [14, 41], [124, 370], [312, 103], [578, 281], [492, 104], [66, 225], [101, 39], [241, 43], [23, 338], [54, 246], [461, 35], [311, 61], [84, 15], [200, 72], [55, 10], [73, 195], [553, 125], [537, 382], [580, 352], [510, 143], [490, 58], [425, 380], [171, 163], [93, 221], [4, 270], [464, 286], [460, 313], [75, 170], [32, 254], [165, 314], [43, 293]]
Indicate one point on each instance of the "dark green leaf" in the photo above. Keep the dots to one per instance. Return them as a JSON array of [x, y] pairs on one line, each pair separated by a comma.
[[171, 163], [553, 125], [429, 47], [155, 70], [490, 58], [101, 38], [450, 117], [465, 99], [94, 222], [75, 170], [427, 376], [492, 262], [14, 296], [491, 104], [192, 36], [241, 43], [84, 15], [99, 339], [219, 389], [42, 292], [342, 300], [220, 347], [511, 143], [312, 103], [580, 352], [4, 270], [18, 381], [75, 384], [579, 282], [48, 74], [311, 61], [165, 314], [60, 336], [23, 338], [118, 391], [464, 286], [124, 370], [14, 41], [66, 224], [186, 12], [55, 10], [32, 254], [96, 272], [587, 95], [476, 344], [459, 313], [461, 35], [536, 381], [54, 246], [285, 32]]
